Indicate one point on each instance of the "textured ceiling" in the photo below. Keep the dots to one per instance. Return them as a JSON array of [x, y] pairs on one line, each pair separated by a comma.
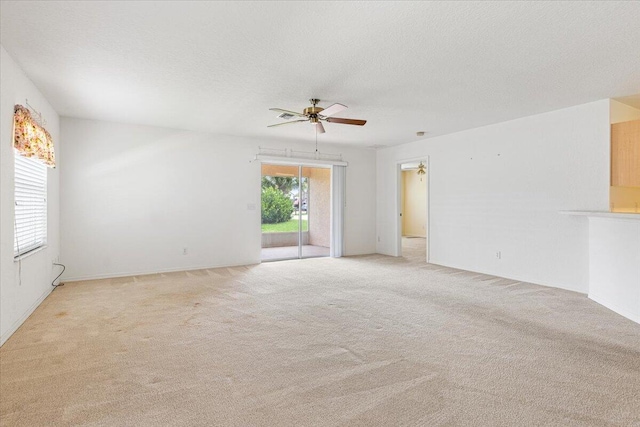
[[405, 67]]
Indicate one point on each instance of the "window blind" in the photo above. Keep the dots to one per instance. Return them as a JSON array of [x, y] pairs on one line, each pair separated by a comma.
[[30, 224], [338, 204]]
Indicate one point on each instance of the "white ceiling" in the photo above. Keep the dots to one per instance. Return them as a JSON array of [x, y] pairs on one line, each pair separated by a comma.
[[405, 67]]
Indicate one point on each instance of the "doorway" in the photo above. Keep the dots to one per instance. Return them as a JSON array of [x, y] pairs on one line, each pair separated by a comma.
[[413, 210], [295, 211]]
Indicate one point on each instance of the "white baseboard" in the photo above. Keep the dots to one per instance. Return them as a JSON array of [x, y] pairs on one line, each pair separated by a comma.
[[613, 307], [144, 273], [4, 337], [514, 277]]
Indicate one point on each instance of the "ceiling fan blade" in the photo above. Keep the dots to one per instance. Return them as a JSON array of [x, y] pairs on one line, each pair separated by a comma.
[[332, 109], [346, 121], [320, 127], [287, 123], [280, 110]]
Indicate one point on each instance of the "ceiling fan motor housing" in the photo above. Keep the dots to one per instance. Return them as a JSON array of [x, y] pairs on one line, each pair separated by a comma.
[[309, 111]]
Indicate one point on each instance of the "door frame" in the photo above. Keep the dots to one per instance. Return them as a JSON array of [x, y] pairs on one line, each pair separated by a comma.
[[398, 219]]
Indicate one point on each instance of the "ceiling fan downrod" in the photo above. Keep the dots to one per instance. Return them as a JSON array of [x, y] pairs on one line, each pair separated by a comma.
[[314, 110]]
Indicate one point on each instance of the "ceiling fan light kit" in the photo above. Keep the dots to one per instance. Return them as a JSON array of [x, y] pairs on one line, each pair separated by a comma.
[[421, 170], [316, 115]]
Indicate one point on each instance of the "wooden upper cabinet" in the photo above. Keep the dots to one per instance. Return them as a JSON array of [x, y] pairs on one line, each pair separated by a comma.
[[625, 154]]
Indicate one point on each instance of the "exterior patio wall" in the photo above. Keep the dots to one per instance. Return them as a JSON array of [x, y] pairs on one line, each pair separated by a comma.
[[319, 206], [277, 240]]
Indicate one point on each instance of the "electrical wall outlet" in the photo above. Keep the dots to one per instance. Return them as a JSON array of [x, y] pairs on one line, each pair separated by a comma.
[[499, 255], [185, 251]]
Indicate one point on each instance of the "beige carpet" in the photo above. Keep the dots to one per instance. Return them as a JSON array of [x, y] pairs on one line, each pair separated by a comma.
[[368, 341]]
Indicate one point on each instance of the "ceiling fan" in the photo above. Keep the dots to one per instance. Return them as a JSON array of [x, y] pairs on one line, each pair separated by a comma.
[[316, 115]]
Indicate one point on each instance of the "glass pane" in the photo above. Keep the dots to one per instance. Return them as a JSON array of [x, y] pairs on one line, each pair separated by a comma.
[[280, 212], [316, 211]]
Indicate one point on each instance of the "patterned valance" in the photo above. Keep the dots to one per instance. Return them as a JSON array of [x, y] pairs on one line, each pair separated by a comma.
[[31, 139]]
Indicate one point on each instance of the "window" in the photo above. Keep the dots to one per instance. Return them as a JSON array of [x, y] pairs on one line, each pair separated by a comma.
[[30, 205]]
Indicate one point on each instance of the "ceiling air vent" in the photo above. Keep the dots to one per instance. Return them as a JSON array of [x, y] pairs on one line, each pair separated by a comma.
[[286, 116]]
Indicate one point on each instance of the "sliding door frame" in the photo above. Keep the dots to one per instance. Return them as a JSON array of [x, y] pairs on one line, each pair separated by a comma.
[[300, 165]]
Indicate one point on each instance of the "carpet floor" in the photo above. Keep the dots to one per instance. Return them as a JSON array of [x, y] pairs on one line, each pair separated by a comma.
[[360, 341]]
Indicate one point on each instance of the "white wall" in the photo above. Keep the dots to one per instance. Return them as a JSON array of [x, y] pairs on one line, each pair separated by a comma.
[[500, 187], [134, 196], [20, 296], [614, 254]]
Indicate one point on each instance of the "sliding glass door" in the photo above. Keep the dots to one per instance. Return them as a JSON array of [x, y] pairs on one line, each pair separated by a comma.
[[295, 211]]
